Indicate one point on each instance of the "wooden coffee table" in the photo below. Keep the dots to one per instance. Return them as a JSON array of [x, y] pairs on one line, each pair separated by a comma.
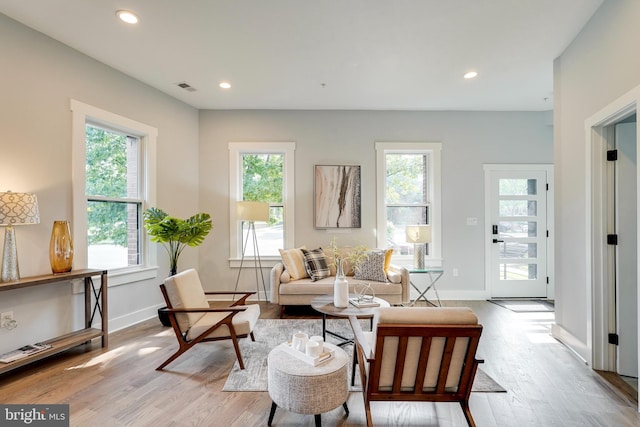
[[324, 304]]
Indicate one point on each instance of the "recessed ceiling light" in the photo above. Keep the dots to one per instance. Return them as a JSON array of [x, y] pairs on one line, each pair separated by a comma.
[[225, 85], [127, 16], [470, 74]]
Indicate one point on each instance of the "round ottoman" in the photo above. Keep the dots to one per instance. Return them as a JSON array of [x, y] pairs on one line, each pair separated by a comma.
[[299, 387]]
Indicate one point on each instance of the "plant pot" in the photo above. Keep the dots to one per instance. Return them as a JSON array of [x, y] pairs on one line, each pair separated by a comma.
[[164, 317]]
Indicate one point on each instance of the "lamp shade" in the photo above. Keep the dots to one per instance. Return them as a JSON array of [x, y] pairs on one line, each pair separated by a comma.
[[252, 211], [18, 209], [418, 233]]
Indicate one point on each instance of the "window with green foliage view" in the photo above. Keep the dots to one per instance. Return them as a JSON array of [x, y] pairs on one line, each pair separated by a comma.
[[262, 181], [406, 196], [114, 204]]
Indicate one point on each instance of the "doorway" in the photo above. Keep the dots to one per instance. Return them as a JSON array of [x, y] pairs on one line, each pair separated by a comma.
[[518, 230], [623, 223], [612, 204]]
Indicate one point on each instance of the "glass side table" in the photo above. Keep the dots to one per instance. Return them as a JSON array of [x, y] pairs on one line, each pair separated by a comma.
[[434, 273]]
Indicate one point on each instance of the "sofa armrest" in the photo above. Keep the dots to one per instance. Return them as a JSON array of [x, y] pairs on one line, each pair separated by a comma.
[[274, 281], [405, 281]]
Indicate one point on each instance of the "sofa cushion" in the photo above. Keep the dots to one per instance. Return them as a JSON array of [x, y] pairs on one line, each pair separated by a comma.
[[394, 277], [293, 260], [344, 253], [285, 277], [316, 264], [372, 267]]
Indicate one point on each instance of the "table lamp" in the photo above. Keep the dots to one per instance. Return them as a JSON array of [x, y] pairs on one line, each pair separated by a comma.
[[15, 209], [419, 235], [251, 212]]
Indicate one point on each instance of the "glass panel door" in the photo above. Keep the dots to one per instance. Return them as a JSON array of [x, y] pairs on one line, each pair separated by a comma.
[[518, 234]]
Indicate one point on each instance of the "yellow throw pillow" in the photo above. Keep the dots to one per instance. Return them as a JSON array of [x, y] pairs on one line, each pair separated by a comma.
[[293, 260], [387, 260]]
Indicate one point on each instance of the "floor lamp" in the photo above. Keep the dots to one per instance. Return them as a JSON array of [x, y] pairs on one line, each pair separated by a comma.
[[251, 212], [419, 235]]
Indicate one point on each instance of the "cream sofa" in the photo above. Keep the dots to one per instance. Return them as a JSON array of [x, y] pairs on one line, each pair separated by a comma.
[[300, 292]]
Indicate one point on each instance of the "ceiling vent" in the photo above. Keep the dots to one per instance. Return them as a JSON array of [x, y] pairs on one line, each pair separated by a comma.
[[187, 86]]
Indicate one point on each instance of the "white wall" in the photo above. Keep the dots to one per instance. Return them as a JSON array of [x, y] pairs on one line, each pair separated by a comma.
[[39, 76], [469, 140], [600, 65]]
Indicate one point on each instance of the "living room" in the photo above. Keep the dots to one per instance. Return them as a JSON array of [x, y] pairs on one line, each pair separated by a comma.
[[42, 76]]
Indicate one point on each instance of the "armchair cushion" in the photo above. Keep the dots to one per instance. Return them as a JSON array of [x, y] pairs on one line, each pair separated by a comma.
[[185, 291], [243, 323], [422, 316]]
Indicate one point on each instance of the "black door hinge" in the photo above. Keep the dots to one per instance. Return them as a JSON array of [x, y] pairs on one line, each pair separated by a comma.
[[612, 155], [547, 187], [613, 339], [612, 239], [547, 280]]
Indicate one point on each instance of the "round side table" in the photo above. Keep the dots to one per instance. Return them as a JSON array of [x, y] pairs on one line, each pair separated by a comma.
[[324, 304], [299, 387]]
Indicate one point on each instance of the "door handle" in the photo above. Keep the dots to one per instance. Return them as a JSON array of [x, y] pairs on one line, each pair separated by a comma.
[[497, 241]]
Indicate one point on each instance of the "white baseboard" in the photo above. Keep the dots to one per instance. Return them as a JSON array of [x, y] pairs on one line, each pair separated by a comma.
[[130, 319], [578, 348]]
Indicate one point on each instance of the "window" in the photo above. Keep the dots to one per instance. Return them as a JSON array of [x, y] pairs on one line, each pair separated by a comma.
[[114, 181], [262, 172], [408, 193], [114, 203]]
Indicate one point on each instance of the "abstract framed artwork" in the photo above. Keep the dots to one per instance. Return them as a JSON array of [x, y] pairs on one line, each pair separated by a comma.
[[337, 196]]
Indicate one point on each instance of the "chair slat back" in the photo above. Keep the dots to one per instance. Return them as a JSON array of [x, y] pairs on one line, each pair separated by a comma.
[[422, 350], [184, 290], [423, 359]]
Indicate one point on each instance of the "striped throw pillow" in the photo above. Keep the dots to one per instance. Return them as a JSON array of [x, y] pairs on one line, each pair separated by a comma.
[[293, 260]]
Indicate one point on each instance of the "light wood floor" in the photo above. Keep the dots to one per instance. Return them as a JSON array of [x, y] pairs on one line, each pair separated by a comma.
[[547, 385]]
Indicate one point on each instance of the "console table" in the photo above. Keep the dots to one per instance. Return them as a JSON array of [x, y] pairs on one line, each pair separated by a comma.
[[67, 341]]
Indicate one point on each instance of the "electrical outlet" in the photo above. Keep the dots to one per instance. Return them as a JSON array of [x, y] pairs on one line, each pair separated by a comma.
[[7, 321]]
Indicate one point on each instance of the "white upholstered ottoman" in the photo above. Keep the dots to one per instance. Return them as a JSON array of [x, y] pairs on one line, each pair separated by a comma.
[[299, 387]]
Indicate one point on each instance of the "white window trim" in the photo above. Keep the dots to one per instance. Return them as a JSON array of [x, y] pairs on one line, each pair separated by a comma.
[[236, 149], [81, 113], [434, 150]]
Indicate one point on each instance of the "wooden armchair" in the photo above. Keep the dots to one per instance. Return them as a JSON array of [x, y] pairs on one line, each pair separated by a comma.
[[418, 354], [194, 321]]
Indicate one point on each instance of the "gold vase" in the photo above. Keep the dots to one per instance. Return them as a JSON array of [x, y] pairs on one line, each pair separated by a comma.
[[61, 248]]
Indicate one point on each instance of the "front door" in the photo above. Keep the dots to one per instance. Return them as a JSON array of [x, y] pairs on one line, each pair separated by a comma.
[[517, 233]]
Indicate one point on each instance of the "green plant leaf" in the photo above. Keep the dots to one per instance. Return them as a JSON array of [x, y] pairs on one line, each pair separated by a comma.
[[174, 233]]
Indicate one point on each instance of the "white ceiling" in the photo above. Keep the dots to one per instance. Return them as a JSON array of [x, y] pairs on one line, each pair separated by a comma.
[[326, 54]]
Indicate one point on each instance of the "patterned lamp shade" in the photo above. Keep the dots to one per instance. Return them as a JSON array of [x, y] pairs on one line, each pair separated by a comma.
[[15, 209], [18, 209]]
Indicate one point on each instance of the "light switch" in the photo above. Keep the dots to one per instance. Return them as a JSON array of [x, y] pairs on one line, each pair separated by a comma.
[[472, 221]]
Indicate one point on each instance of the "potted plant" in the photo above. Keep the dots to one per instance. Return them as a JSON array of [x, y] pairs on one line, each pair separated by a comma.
[[175, 234]]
